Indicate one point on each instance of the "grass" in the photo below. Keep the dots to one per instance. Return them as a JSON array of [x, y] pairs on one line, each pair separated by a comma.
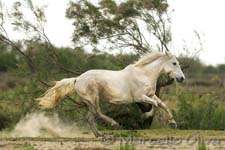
[[159, 133], [201, 147], [151, 133], [28, 147], [123, 133], [125, 147]]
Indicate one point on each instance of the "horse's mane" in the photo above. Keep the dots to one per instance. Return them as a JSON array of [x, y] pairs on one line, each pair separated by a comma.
[[150, 57]]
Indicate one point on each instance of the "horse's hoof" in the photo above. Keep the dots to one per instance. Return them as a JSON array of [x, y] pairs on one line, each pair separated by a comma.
[[99, 135], [173, 124], [115, 125]]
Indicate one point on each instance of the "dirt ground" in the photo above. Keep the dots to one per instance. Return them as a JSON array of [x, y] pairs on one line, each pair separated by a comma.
[[155, 139], [107, 144]]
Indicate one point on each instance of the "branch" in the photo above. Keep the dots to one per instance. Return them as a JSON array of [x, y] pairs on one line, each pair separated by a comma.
[[139, 44], [28, 60]]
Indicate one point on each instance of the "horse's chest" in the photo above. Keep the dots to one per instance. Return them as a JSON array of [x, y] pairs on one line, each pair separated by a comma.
[[149, 90], [145, 89]]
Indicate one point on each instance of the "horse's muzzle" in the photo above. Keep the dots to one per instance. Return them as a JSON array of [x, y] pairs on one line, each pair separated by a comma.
[[180, 79]]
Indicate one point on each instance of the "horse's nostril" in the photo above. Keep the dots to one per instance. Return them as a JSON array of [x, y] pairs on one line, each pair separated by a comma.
[[182, 79]]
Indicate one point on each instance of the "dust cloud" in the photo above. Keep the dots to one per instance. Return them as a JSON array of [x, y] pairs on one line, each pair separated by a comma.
[[42, 125]]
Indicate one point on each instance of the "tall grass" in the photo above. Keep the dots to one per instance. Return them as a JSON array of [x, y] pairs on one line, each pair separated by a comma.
[[199, 112]]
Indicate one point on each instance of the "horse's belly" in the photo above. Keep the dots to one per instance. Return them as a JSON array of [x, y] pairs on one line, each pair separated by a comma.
[[114, 95], [120, 101]]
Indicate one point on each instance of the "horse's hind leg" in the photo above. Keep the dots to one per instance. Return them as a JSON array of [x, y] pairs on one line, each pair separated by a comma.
[[91, 120], [107, 119]]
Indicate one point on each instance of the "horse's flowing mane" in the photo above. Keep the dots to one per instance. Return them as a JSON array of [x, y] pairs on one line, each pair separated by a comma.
[[148, 58]]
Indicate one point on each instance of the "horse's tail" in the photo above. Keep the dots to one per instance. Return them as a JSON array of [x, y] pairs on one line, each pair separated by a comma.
[[54, 94]]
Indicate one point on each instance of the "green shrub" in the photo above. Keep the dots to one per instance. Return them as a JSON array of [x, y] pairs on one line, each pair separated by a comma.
[[8, 60], [199, 112]]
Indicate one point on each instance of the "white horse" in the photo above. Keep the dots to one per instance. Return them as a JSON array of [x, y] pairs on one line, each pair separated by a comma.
[[135, 83]]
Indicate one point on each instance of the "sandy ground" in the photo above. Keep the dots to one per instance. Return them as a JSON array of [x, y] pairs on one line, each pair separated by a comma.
[[50, 133], [157, 144]]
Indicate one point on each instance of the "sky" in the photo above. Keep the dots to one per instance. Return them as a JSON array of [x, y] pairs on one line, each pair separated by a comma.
[[207, 18], [187, 16]]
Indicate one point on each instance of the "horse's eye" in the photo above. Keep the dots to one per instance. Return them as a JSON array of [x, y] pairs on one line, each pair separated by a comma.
[[174, 63]]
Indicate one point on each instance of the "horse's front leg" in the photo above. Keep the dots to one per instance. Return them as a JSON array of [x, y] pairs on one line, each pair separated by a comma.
[[161, 104], [149, 100], [149, 114]]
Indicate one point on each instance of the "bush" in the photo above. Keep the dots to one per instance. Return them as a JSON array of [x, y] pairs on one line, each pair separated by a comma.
[[199, 112], [8, 60]]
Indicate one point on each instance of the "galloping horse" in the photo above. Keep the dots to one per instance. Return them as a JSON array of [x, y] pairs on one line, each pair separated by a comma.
[[135, 83]]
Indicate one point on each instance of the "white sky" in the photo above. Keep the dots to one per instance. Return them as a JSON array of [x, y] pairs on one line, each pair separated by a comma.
[[204, 16]]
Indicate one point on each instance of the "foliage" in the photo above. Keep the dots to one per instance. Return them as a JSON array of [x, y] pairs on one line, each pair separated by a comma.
[[8, 59], [17, 103], [221, 68], [195, 67], [117, 24], [199, 112], [5, 120]]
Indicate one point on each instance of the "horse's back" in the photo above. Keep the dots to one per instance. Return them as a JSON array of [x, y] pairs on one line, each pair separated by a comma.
[[106, 83]]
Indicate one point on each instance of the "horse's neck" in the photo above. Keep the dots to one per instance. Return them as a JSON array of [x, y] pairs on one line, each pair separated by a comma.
[[154, 69]]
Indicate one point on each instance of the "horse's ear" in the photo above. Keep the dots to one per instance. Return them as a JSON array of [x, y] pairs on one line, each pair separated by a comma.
[[167, 52]]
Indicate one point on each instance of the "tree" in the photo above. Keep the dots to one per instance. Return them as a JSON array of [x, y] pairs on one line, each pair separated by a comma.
[[119, 25], [34, 31]]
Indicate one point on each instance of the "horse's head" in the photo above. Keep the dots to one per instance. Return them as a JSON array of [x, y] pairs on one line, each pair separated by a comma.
[[169, 64], [173, 69]]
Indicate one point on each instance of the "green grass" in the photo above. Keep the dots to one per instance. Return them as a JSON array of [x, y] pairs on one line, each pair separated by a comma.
[[151, 133], [123, 133], [28, 147], [158, 133], [202, 147], [125, 147]]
